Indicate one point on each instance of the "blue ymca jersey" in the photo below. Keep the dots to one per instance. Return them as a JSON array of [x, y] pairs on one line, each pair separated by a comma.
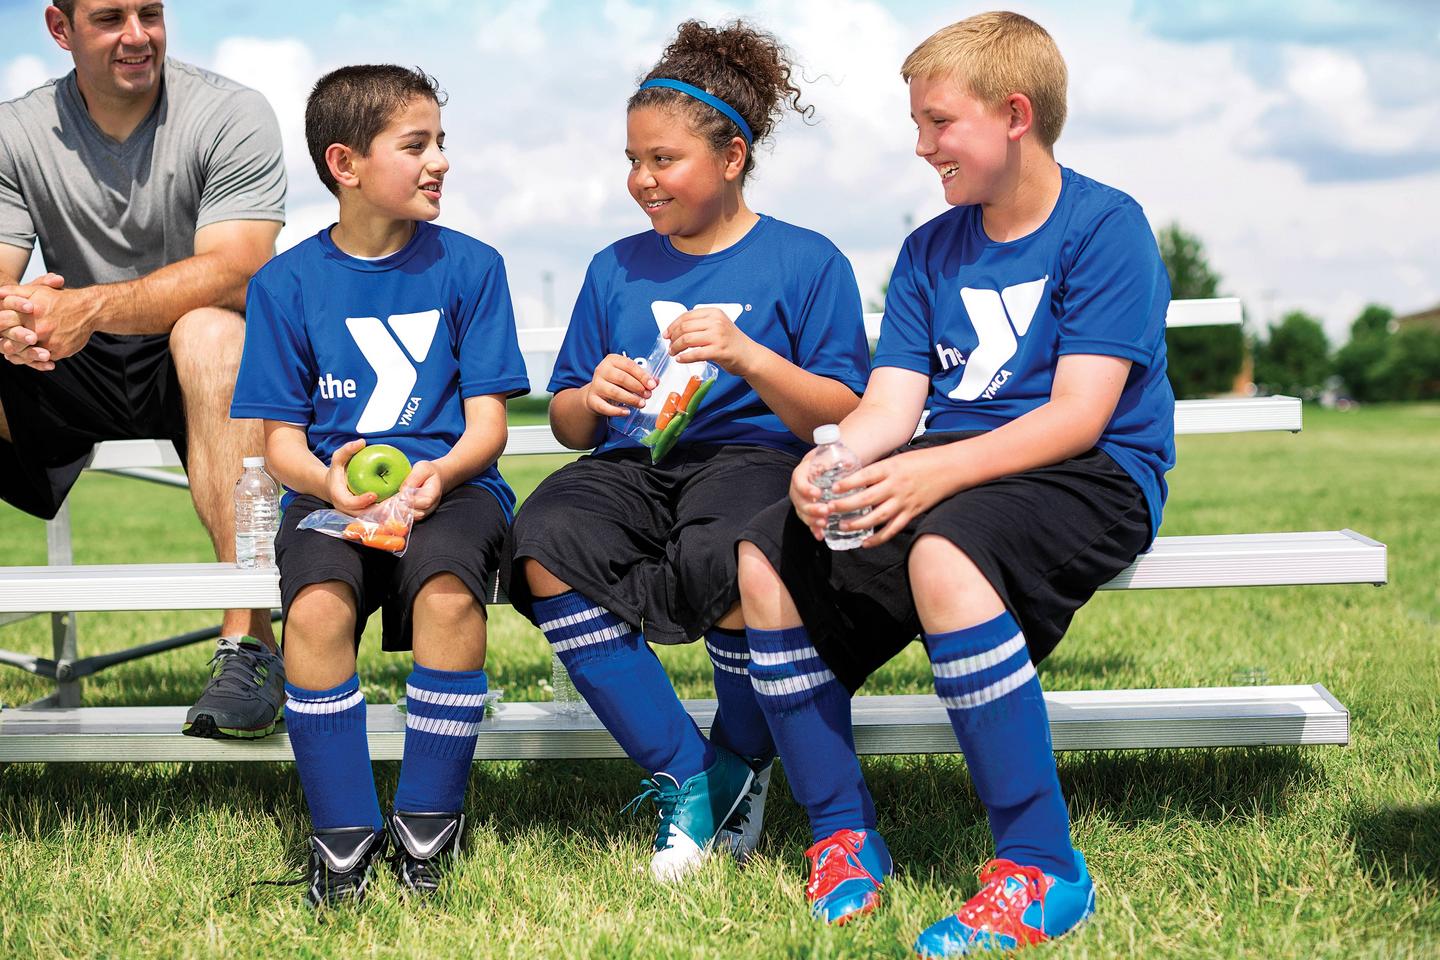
[[987, 321], [385, 349], [785, 287]]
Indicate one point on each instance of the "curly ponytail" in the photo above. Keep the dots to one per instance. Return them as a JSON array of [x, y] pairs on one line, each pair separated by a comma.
[[744, 66]]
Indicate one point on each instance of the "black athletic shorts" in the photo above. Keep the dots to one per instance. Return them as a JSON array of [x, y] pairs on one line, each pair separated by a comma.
[[464, 536], [117, 388], [655, 545], [1046, 539]]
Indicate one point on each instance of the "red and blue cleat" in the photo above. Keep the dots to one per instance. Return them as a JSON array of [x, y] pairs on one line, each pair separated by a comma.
[[1017, 906], [846, 871]]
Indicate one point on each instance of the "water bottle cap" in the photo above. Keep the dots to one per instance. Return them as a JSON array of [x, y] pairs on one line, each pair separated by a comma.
[[827, 433], [253, 462]]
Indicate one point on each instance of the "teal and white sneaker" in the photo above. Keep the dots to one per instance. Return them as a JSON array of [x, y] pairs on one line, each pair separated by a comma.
[[243, 698], [741, 833], [693, 813]]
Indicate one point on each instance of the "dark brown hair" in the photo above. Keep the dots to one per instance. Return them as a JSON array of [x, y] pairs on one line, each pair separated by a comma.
[[66, 7], [744, 66], [350, 106]]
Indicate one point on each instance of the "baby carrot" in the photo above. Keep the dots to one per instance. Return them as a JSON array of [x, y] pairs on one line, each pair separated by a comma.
[[690, 389], [672, 403], [698, 397]]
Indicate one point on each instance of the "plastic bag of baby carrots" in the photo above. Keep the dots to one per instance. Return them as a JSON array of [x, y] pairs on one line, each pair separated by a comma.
[[673, 405], [384, 526]]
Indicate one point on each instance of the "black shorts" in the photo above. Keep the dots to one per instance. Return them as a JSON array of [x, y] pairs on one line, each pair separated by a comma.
[[464, 536], [117, 388], [655, 545], [1046, 539]]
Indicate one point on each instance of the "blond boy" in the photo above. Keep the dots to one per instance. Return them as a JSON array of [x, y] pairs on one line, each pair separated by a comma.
[[1029, 321]]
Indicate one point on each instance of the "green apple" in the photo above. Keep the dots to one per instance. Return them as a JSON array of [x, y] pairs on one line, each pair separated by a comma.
[[380, 470]]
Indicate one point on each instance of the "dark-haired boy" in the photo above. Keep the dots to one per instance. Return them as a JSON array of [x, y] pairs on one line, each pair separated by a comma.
[[1030, 322], [400, 332]]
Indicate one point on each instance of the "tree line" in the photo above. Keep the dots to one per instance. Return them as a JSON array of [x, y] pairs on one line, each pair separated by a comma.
[[1293, 357]]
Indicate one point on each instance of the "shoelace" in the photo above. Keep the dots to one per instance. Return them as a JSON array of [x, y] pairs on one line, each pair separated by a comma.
[[994, 907], [667, 799], [828, 872], [741, 817], [421, 873], [235, 669]]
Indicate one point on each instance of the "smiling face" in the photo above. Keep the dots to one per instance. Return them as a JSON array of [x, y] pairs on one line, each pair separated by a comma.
[[400, 176], [118, 46], [676, 177], [973, 147]]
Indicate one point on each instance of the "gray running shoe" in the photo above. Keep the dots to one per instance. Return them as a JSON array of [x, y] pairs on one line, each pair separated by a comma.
[[741, 833], [243, 698]]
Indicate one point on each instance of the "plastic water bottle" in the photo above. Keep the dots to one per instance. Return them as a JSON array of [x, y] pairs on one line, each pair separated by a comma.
[[568, 701], [257, 515], [834, 460]]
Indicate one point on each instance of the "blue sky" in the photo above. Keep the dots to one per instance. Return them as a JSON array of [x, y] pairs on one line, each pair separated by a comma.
[[1300, 139]]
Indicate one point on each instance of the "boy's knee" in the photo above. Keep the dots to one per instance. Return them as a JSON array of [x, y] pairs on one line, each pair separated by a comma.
[[943, 578], [444, 598], [542, 582], [757, 578], [322, 614], [938, 567]]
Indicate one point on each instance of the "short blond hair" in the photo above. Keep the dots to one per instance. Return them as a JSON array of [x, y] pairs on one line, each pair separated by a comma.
[[993, 55]]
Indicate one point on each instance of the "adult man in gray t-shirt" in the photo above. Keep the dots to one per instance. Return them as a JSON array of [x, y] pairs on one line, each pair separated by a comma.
[[155, 190]]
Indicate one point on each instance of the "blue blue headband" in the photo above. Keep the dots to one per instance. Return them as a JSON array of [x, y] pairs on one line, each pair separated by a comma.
[[705, 98]]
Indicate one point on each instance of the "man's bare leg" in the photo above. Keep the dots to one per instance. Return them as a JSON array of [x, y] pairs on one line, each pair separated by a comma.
[[206, 345], [4, 425]]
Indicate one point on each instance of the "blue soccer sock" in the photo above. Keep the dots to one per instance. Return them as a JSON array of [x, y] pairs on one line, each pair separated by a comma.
[[332, 755], [984, 676], [443, 710], [740, 725], [625, 684], [809, 715]]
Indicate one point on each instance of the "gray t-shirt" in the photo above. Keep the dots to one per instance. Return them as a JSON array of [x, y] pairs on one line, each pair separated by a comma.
[[105, 212]]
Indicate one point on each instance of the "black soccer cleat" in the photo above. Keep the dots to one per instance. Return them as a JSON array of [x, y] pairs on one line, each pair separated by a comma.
[[425, 843], [341, 861]]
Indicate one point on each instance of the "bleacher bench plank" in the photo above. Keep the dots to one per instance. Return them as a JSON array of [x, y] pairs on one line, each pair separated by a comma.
[[1243, 415], [1218, 311], [1252, 559], [1080, 720]]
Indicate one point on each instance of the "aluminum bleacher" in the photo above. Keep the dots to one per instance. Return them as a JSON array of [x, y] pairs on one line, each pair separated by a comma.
[[58, 728]]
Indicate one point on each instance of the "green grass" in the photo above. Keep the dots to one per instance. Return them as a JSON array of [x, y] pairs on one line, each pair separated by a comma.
[[1267, 852]]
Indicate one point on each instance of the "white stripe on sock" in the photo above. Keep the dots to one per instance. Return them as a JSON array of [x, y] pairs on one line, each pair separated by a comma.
[[325, 706], [444, 699], [996, 690], [589, 639], [766, 658], [981, 661], [729, 669], [590, 613], [778, 688], [729, 655], [442, 728]]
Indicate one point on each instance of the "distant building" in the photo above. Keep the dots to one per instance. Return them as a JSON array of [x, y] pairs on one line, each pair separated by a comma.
[[1425, 319]]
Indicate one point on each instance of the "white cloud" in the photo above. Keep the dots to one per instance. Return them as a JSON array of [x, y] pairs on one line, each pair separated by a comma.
[[22, 75], [515, 30], [1250, 132]]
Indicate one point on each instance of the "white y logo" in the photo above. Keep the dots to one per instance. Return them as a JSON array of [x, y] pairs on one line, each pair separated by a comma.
[[993, 315], [394, 373], [667, 312]]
